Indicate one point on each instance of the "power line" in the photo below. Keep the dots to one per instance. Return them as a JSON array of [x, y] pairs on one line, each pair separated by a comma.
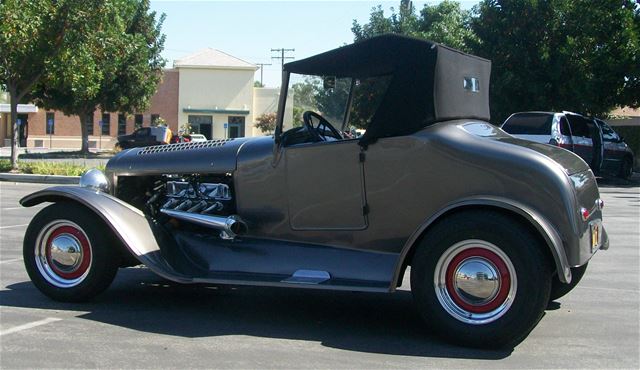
[[282, 57], [262, 70]]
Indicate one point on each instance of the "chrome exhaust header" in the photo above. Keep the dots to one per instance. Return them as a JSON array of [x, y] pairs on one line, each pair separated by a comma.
[[229, 227]]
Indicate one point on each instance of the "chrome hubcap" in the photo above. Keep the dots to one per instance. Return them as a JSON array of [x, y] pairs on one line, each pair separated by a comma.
[[63, 254], [475, 282], [66, 252]]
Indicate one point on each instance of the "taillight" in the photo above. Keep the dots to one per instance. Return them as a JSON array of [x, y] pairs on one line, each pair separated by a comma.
[[585, 213]]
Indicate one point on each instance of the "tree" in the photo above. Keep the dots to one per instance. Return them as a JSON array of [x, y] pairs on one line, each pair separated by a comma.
[[404, 22], [31, 36], [446, 23], [559, 55], [114, 65], [303, 99], [266, 122]]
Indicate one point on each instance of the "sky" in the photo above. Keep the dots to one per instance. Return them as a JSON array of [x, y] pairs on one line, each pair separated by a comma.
[[250, 29]]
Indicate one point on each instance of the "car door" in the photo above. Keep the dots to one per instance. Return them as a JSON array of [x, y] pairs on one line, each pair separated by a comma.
[[581, 137], [325, 186], [614, 149]]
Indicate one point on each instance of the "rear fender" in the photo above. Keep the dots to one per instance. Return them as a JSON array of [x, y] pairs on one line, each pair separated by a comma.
[[127, 222], [544, 228]]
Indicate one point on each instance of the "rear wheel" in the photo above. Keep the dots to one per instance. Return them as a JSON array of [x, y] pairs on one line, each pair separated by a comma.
[[481, 279], [559, 289], [69, 253]]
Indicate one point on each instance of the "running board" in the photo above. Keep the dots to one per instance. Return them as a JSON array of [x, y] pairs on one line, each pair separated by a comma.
[[308, 277]]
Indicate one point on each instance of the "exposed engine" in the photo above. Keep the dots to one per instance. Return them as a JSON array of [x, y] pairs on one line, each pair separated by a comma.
[[201, 201], [205, 198]]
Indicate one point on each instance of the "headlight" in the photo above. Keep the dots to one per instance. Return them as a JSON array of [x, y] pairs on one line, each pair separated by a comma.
[[95, 179]]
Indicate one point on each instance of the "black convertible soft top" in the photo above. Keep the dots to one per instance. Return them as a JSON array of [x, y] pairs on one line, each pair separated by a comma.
[[430, 82]]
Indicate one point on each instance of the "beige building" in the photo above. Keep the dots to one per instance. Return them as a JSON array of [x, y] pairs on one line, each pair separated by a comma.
[[210, 90]]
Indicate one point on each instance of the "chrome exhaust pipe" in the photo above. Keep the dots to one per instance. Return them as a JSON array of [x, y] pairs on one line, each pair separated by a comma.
[[230, 227]]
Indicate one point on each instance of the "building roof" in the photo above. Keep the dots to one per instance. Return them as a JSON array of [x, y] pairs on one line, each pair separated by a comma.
[[212, 58]]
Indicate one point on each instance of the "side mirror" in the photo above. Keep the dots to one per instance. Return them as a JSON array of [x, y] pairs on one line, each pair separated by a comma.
[[553, 141]]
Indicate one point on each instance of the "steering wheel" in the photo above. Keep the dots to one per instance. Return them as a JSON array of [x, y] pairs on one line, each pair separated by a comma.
[[315, 131]]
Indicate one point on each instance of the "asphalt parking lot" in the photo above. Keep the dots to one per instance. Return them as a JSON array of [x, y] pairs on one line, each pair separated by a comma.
[[142, 321]]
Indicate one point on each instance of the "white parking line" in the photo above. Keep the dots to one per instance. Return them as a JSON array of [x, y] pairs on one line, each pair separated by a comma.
[[29, 325], [13, 208], [10, 226], [610, 289], [9, 261]]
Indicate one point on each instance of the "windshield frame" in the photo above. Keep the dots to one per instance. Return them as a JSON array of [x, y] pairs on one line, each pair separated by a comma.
[[282, 102]]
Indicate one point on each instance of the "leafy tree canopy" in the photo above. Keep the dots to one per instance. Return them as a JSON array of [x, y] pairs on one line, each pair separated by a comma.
[[110, 60], [557, 55], [445, 22], [31, 36]]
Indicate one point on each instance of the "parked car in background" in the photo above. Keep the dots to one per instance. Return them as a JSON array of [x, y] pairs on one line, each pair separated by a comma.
[[578, 134], [618, 157], [198, 137], [493, 227], [145, 136]]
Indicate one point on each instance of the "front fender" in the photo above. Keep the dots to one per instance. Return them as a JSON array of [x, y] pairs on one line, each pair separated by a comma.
[[542, 225], [127, 222]]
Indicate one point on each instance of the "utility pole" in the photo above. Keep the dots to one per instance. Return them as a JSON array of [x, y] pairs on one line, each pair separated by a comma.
[[282, 57], [262, 70]]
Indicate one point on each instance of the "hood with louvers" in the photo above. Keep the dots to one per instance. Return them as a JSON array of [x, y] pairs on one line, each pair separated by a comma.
[[214, 156]]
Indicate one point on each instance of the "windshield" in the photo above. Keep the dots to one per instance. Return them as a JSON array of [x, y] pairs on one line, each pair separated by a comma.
[[329, 97]]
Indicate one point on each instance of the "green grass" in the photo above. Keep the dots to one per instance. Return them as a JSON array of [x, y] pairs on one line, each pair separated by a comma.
[[5, 165], [46, 168]]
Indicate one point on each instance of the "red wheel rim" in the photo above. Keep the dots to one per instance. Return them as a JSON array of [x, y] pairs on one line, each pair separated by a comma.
[[503, 273], [85, 255]]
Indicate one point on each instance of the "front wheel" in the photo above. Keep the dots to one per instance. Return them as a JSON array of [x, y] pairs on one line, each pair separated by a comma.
[[481, 279], [69, 253]]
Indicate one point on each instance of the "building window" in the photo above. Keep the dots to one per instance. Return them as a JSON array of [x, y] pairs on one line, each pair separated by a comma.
[[154, 119], [137, 121], [89, 123], [50, 123], [201, 125], [106, 124], [122, 124], [236, 126]]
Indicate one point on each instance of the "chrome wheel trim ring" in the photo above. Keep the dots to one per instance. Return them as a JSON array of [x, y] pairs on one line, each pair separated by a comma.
[[55, 239], [452, 304]]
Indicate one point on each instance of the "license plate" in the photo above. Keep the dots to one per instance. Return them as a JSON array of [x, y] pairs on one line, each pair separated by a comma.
[[595, 236]]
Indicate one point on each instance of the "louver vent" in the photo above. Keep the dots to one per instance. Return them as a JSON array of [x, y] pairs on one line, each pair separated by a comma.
[[182, 146]]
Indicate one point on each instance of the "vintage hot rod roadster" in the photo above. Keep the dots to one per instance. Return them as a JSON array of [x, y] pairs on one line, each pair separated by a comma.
[[493, 227]]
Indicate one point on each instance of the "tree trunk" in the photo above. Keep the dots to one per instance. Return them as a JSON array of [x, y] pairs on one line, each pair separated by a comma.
[[14, 127], [84, 128]]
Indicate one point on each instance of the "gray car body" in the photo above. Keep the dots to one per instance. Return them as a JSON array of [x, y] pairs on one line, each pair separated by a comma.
[[357, 215]]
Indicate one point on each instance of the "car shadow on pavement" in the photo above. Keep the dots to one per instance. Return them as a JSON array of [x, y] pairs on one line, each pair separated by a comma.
[[364, 322]]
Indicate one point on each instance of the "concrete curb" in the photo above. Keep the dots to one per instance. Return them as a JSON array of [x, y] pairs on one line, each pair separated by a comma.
[[41, 179]]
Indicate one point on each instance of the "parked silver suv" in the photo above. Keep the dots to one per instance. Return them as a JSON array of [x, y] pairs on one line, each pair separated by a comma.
[[593, 140]]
